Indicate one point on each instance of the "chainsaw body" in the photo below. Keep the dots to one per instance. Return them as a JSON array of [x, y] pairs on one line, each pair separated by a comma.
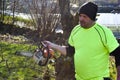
[[42, 55]]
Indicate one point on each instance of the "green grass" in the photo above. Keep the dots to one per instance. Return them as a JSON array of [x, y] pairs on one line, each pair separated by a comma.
[[13, 67]]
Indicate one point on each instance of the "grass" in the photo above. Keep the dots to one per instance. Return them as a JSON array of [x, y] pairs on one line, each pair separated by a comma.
[[13, 67]]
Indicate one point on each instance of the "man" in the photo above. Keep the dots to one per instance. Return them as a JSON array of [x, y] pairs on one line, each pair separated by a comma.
[[91, 45]]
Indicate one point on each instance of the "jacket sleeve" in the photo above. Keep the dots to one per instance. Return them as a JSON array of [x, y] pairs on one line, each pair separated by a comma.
[[116, 53], [70, 50]]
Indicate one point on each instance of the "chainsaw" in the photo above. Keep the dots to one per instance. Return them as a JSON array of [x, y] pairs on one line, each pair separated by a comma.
[[41, 56]]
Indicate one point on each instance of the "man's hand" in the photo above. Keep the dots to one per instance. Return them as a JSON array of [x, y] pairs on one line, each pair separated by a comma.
[[61, 49], [49, 44]]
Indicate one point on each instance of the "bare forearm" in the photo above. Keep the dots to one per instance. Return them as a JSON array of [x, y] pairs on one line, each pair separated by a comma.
[[61, 49]]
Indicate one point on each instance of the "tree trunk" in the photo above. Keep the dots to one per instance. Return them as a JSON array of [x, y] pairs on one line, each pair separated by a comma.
[[64, 68], [65, 65], [66, 17]]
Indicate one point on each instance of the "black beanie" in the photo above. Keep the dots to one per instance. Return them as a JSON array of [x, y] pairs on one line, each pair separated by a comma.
[[90, 9]]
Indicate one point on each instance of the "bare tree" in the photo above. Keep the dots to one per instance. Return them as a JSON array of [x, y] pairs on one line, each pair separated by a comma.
[[9, 8], [65, 64], [45, 15], [2, 8]]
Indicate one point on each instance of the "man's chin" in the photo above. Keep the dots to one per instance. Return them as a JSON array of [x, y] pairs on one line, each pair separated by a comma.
[[85, 27], [82, 25]]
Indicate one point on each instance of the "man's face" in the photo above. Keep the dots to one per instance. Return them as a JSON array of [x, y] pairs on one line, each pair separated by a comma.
[[85, 21]]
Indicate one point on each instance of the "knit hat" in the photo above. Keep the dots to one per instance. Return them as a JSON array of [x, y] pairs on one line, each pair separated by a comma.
[[90, 9]]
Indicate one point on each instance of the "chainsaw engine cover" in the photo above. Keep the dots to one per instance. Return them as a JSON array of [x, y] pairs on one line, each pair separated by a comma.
[[40, 59]]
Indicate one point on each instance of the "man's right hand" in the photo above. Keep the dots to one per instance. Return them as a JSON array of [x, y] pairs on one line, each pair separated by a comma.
[[49, 44], [61, 49]]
